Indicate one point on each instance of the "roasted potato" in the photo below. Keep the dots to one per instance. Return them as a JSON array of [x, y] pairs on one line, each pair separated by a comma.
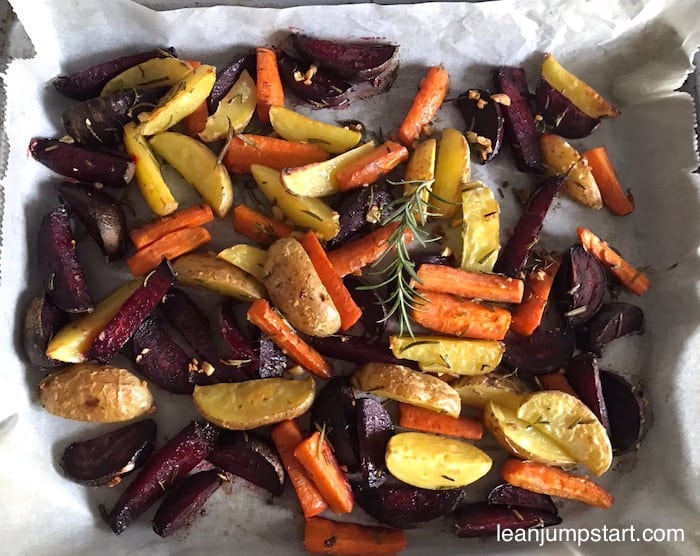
[[477, 391], [154, 72], [480, 228], [234, 111], [452, 171], [246, 257], [293, 126]]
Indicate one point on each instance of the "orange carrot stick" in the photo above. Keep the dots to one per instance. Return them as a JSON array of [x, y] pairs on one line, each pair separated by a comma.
[[284, 337], [190, 217], [371, 166], [196, 121], [431, 94], [170, 246], [246, 150], [323, 536], [317, 459], [421, 419], [556, 381], [527, 316], [268, 83], [349, 312], [614, 197], [453, 315], [472, 285], [257, 226], [541, 478], [286, 436], [635, 280]]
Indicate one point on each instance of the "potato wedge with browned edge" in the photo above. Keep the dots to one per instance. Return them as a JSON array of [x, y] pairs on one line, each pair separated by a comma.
[[293, 126], [155, 72], [504, 390], [246, 257]]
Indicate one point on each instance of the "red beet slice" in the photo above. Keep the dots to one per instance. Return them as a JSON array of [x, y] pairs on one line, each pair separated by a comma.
[[561, 115], [583, 375], [614, 320], [374, 429], [628, 412], [580, 286], [541, 352], [482, 520], [239, 353], [509, 495], [320, 89], [41, 321], [482, 116]]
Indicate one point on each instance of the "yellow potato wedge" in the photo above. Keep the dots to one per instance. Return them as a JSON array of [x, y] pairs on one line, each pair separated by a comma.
[[254, 403], [420, 168], [408, 386], [480, 228], [156, 72], [452, 171], [457, 356], [570, 422], [234, 112], [182, 99], [293, 126], [522, 439], [561, 158], [148, 176], [207, 271], [195, 162], [71, 343], [318, 178], [95, 393], [307, 212], [504, 390], [246, 257], [435, 462]]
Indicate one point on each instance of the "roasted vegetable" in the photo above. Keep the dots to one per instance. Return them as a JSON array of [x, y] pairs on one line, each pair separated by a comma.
[[373, 321], [358, 350], [42, 321], [359, 211], [508, 495], [316, 86], [156, 72], [629, 413], [480, 520], [452, 172], [234, 111], [561, 115], [483, 121], [480, 228], [581, 284], [374, 429], [226, 77], [613, 321], [503, 389], [239, 353], [544, 350], [584, 377]]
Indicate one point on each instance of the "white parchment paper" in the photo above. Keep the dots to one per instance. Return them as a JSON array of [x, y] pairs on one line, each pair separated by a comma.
[[636, 53]]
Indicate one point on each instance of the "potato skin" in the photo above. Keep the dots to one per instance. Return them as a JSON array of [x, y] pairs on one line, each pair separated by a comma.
[[95, 393], [296, 290]]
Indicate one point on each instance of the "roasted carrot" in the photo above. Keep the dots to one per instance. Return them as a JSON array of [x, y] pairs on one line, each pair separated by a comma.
[[456, 316], [170, 246], [286, 436], [257, 226], [284, 337], [246, 150], [614, 197], [324, 536], [526, 317], [634, 280], [343, 301], [431, 94], [472, 285], [371, 166], [541, 478], [354, 255], [268, 83], [196, 121], [318, 461], [421, 419], [190, 217], [556, 381]]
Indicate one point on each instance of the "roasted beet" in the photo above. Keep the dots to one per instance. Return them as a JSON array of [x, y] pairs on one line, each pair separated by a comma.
[[405, 506], [41, 321], [132, 313], [249, 456], [81, 163], [483, 122], [88, 82], [318, 87], [580, 285], [166, 467], [160, 359], [227, 76], [102, 216], [512, 258], [481, 519], [628, 412], [543, 351], [357, 350], [359, 211], [273, 361], [240, 353], [583, 375], [509, 495], [374, 429], [613, 321], [62, 273], [561, 115], [183, 503], [372, 323], [105, 459]]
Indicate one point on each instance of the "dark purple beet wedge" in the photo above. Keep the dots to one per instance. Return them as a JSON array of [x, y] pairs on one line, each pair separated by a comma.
[[561, 115], [316, 86], [543, 351], [483, 122], [227, 76], [584, 376], [628, 412], [509, 495], [482, 520], [374, 429], [614, 320], [580, 286], [41, 321], [239, 352], [360, 210]]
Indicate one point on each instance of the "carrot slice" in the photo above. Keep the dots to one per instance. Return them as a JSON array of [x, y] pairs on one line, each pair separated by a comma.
[[190, 217], [369, 167], [453, 315], [324, 536], [431, 94], [170, 246], [614, 197], [286, 436], [258, 227], [196, 121], [556, 381], [472, 285], [527, 316], [541, 478], [421, 419], [245, 150], [349, 312], [317, 459], [268, 83], [634, 280], [284, 337]]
